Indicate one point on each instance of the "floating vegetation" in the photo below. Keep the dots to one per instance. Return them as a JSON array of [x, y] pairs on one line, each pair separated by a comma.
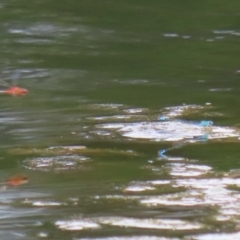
[[138, 187], [74, 225], [135, 110], [57, 163], [168, 128], [63, 158], [104, 106], [80, 224], [171, 199], [184, 110], [150, 223], [119, 117], [70, 150], [201, 191], [170, 131]]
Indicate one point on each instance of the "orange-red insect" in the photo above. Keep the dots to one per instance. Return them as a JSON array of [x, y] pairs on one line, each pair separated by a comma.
[[15, 91], [16, 181]]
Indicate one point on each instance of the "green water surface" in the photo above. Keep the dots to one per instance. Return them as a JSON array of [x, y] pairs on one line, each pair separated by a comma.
[[79, 59]]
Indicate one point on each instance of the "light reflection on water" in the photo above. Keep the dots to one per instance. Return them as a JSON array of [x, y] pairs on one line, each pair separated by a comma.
[[184, 188], [114, 99], [181, 189]]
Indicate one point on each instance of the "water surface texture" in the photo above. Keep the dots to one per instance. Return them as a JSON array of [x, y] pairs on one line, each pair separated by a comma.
[[131, 126]]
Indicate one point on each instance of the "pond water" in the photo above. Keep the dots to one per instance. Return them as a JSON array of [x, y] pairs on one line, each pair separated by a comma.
[[131, 126]]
